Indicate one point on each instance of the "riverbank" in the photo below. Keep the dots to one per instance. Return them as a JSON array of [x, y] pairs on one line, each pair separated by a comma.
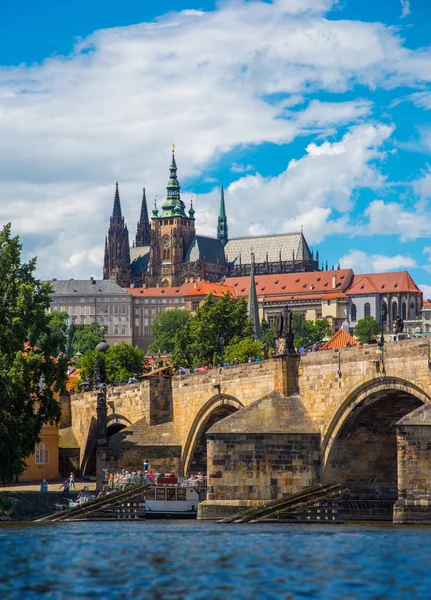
[[24, 502]]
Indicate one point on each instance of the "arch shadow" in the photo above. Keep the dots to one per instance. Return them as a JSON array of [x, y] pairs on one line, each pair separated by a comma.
[[366, 390], [199, 423]]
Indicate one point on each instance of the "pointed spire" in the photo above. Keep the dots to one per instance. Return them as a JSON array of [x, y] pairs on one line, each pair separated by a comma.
[[155, 209], [143, 230], [252, 306], [191, 211], [222, 231], [116, 212], [173, 206]]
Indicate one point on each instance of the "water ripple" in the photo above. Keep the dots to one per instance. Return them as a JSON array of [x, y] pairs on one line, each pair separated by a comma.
[[175, 560]]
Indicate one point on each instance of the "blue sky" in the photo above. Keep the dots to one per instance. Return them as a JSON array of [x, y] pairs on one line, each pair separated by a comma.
[[316, 114]]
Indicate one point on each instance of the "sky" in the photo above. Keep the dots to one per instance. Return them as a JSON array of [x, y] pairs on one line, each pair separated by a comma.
[[315, 113]]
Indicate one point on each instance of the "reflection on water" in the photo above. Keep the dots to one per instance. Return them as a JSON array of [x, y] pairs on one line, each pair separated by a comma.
[[173, 560]]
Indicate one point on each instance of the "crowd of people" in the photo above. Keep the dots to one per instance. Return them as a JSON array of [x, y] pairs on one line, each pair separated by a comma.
[[134, 476]]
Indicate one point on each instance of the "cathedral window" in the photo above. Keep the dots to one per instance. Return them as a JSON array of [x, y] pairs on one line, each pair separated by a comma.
[[353, 312], [367, 309]]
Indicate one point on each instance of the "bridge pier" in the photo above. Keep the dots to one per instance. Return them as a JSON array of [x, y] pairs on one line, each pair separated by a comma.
[[414, 467]]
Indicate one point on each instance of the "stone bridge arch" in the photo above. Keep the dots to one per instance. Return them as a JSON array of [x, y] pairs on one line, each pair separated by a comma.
[[215, 409], [116, 423], [359, 446]]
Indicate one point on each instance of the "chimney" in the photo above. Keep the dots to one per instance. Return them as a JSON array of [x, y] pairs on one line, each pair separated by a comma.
[[92, 280], [334, 281]]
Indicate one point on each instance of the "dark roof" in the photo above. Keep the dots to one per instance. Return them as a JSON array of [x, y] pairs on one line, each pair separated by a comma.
[[273, 413], [205, 248], [141, 434], [140, 259], [419, 416], [286, 243], [86, 287]]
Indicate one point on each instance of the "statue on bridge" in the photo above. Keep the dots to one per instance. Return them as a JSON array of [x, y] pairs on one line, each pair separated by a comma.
[[285, 333], [399, 325]]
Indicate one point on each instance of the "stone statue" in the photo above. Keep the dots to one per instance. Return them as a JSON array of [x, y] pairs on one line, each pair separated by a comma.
[[264, 349], [399, 324], [285, 332]]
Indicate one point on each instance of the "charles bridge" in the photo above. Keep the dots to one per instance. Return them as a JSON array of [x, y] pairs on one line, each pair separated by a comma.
[[272, 427]]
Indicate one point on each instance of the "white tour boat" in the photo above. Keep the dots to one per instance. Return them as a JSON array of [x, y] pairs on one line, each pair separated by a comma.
[[165, 502]]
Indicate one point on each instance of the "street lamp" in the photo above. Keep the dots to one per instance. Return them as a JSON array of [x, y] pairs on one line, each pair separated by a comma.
[[221, 340], [383, 317]]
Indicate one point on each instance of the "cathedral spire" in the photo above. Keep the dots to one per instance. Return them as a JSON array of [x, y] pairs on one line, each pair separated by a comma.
[[252, 306], [173, 205], [222, 233], [116, 213], [143, 230]]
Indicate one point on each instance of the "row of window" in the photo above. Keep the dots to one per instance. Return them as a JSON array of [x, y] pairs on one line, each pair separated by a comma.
[[394, 308]]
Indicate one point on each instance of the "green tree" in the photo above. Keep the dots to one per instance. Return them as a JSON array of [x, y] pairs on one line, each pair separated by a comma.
[[199, 342], [57, 327], [123, 361], [29, 373], [86, 366], [307, 332], [268, 334], [367, 329], [242, 350], [70, 340], [165, 326], [86, 338]]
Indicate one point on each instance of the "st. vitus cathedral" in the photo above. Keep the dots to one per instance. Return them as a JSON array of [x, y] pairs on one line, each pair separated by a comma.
[[167, 251]]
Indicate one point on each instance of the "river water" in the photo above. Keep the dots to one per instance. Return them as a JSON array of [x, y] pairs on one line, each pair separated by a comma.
[[173, 560]]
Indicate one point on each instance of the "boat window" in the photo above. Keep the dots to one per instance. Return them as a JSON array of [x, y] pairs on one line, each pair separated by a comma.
[[150, 495], [160, 494], [181, 493], [170, 494]]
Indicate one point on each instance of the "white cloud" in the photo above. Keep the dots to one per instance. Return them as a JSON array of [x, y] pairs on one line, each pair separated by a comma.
[[405, 5], [426, 289], [71, 126], [421, 99], [309, 192], [361, 262], [392, 219], [239, 168]]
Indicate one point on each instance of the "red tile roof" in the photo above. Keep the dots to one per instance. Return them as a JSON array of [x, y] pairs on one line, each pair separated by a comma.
[[204, 288], [381, 283], [340, 339], [313, 284]]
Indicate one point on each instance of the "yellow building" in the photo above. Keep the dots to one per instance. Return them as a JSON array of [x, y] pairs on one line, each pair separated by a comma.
[[43, 463]]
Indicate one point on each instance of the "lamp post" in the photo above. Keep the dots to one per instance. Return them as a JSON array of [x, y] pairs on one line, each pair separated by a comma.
[[221, 340], [383, 317]]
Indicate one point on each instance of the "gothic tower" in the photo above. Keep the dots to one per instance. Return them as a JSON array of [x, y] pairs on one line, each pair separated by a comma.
[[143, 230], [171, 235], [222, 234], [116, 264]]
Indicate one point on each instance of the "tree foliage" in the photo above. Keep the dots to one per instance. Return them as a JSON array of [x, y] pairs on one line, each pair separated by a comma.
[[120, 362], [86, 337], [268, 334], [165, 327], [367, 329], [57, 327], [199, 342], [243, 350], [29, 373], [307, 332]]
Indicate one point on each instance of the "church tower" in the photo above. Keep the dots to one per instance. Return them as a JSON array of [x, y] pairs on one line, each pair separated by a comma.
[[143, 230], [116, 264], [222, 234], [171, 235]]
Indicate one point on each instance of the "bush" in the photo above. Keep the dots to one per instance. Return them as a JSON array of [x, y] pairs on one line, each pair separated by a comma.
[[242, 350]]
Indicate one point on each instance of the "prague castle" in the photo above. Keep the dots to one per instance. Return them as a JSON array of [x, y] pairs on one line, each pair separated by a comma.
[[167, 250]]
